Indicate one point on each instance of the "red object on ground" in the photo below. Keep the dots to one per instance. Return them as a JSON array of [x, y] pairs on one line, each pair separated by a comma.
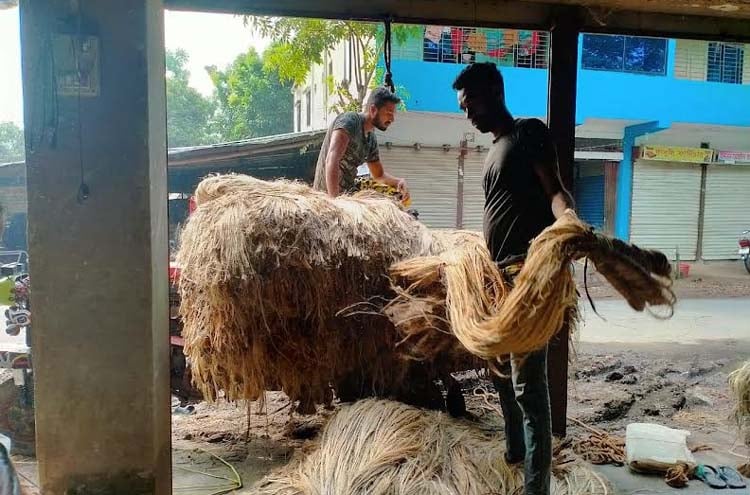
[[174, 272], [684, 270]]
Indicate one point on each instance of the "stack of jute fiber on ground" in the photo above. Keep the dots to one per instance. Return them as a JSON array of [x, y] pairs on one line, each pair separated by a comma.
[[284, 287], [739, 387], [377, 447]]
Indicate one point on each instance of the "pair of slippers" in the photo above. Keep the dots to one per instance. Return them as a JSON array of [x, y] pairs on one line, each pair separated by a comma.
[[721, 477]]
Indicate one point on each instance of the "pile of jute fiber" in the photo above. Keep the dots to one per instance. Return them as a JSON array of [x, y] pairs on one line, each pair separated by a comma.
[[378, 447], [739, 387], [285, 288]]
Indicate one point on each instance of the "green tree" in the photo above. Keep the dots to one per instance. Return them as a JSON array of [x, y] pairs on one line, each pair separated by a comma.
[[252, 99], [11, 143], [189, 114], [301, 43]]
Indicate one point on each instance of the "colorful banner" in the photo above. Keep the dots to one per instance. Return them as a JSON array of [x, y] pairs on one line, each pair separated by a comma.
[[677, 154], [733, 156]]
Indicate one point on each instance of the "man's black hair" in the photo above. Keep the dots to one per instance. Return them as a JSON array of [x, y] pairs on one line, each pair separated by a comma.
[[483, 75], [382, 95]]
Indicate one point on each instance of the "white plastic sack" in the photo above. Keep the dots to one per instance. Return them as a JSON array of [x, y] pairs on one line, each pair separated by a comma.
[[650, 447]]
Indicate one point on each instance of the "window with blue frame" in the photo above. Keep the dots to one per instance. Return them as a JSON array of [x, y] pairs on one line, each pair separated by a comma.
[[618, 53], [725, 62]]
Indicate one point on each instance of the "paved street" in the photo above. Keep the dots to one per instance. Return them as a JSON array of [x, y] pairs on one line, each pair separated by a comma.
[[694, 320]]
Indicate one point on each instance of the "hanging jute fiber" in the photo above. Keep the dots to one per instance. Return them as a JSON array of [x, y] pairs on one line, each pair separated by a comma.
[[377, 447], [285, 288], [739, 387]]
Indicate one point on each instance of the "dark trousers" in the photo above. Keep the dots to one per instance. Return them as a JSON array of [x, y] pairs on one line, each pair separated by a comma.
[[524, 399]]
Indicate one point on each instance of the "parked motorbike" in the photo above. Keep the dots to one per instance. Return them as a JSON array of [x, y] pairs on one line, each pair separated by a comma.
[[745, 249], [18, 315], [20, 413]]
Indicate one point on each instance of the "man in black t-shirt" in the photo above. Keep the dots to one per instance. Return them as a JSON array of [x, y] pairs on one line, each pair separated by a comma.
[[523, 195]]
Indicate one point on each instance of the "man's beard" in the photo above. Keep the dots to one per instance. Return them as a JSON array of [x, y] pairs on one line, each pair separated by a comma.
[[379, 124]]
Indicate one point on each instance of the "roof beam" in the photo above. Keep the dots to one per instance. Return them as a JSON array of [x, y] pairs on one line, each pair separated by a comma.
[[489, 13]]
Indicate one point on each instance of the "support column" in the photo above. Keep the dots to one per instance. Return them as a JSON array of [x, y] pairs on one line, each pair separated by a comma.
[[561, 117], [97, 184]]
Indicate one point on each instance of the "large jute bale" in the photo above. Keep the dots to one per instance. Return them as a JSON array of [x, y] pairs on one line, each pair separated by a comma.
[[377, 447], [284, 287], [266, 269]]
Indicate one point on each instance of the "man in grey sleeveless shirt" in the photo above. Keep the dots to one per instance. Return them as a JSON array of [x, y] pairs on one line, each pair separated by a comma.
[[350, 142]]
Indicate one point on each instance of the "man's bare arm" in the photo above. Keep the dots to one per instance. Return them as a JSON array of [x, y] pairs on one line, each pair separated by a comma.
[[336, 150], [379, 174], [549, 175]]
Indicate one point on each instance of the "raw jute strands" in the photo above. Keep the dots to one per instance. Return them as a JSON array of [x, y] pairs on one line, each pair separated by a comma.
[[739, 387], [461, 291], [377, 447], [283, 287], [266, 267]]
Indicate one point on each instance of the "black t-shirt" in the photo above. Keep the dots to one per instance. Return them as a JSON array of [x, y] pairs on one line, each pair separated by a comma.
[[516, 206]]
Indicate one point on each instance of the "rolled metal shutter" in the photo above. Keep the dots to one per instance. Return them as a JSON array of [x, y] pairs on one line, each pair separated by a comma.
[[589, 198], [473, 190], [726, 210], [432, 175], [665, 206]]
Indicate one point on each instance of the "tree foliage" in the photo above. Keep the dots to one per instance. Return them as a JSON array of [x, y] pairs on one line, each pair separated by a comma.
[[253, 101], [11, 143], [301, 43], [189, 113]]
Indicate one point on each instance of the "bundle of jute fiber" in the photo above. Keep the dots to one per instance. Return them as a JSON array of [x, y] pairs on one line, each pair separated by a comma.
[[462, 292], [739, 387], [266, 269], [282, 286], [378, 447]]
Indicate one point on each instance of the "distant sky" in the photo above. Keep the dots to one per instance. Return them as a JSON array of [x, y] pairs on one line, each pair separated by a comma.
[[209, 39]]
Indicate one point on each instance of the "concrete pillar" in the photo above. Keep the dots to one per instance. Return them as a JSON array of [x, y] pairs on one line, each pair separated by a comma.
[[97, 188], [563, 72]]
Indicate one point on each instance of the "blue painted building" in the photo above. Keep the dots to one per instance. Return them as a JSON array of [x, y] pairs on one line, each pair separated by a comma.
[[610, 86], [633, 92]]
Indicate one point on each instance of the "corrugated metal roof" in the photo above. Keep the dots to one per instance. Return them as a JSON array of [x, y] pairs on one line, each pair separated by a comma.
[[247, 147]]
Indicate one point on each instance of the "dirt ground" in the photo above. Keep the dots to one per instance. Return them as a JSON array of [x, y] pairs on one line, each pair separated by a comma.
[[677, 385], [611, 385]]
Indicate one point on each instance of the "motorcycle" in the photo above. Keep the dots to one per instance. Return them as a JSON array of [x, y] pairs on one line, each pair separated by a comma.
[[744, 251], [18, 315], [20, 413]]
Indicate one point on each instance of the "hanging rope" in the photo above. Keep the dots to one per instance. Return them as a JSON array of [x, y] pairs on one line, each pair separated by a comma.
[[387, 57]]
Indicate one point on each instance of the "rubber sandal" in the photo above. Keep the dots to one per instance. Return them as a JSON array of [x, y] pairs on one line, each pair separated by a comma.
[[732, 477], [710, 476]]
